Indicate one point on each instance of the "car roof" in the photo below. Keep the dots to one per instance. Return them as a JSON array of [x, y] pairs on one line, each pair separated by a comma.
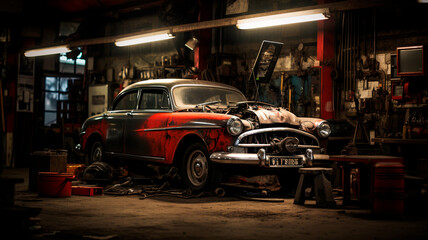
[[170, 83]]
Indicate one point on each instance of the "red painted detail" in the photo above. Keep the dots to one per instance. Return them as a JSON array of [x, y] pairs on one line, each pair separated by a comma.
[[325, 54], [155, 142], [162, 133], [214, 139], [181, 118], [203, 50], [99, 128], [181, 125]]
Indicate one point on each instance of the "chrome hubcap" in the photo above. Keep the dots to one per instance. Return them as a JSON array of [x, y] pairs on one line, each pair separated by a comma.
[[97, 154], [198, 168]]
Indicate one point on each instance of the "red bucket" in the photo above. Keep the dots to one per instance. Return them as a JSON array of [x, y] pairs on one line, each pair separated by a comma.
[[54, 184]]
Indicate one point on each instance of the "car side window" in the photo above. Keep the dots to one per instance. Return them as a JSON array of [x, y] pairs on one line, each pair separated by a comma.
[[154, 99], [127, 101]]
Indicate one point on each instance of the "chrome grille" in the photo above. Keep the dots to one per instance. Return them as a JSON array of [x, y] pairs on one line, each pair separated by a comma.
[[262, 138]]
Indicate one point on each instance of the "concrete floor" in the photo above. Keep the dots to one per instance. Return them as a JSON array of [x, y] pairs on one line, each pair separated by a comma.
[[168, 217]]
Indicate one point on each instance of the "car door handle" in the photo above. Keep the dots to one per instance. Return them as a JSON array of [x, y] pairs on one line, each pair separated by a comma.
[[129, 114]]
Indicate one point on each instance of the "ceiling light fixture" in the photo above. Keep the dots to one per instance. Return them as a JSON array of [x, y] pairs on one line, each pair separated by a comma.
[[285, 18], [47, 51], [144, 38]]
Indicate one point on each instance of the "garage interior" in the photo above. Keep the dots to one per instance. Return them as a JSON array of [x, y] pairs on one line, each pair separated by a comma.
[[362, 67]]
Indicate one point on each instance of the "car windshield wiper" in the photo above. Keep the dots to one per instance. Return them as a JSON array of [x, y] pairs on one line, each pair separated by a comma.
[[207, 104]]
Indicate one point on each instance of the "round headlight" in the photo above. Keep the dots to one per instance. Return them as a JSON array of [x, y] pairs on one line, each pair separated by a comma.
[[235, 126], [324, 130]]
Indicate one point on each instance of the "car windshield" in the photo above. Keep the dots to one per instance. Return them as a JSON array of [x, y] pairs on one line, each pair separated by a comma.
[[190, 96]]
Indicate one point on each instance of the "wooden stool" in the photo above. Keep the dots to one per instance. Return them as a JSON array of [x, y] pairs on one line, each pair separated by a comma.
[[314, 177]]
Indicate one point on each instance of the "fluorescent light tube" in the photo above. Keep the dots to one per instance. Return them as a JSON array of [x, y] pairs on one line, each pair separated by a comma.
[[282, 19], [47, 51], [144, 38]]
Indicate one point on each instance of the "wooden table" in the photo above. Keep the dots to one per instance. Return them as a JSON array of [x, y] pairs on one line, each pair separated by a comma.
[[365, 165], [411, 150], [401, 141]]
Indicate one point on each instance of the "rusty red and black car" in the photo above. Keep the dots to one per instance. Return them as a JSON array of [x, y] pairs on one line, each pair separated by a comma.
[[197, 125]]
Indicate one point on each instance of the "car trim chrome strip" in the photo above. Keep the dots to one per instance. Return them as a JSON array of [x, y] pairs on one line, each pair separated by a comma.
[[248, 145], [125, 155], [265, 130], [307, 146], [179, 128]]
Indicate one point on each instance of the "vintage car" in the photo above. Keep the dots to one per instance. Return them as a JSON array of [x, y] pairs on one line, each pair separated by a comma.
[[197, 125]]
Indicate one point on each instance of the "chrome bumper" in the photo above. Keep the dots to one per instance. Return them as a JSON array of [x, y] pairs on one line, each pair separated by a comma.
[[235, 158], [237, 154], [259, 159]]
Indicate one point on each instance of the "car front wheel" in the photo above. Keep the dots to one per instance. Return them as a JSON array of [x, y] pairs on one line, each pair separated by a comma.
[[196, 168], [97, 152]]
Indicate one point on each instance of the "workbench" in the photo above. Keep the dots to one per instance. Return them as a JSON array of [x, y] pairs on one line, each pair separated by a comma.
[[401, 141], [412, 150]]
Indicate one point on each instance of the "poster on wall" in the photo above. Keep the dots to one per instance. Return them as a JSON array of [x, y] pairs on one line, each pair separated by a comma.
[[25, 85], [25, 93]]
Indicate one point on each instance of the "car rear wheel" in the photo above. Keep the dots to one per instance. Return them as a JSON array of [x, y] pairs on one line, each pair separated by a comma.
[[196, 168], [97, 152]]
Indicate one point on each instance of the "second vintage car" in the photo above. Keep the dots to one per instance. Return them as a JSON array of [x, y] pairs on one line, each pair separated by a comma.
[[195, 125]]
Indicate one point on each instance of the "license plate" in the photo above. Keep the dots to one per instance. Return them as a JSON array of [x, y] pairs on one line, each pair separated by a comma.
[[275, 161]]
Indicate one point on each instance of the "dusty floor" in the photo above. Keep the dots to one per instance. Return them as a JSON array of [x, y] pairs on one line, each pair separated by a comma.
[[167, 217]]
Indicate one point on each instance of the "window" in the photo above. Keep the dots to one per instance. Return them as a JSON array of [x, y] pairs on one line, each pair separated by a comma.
[[74, 66], [56, 89], [190, 96], [154, 99], [127, 101]]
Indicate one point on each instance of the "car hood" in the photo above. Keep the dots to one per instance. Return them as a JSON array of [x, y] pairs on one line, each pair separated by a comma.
[[274, 115]]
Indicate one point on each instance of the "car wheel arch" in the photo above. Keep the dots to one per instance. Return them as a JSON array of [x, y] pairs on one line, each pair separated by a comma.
[[181, 146], [91, 140]]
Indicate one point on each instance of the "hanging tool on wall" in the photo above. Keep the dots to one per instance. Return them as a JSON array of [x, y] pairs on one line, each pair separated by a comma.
[[351, 148], [287, 92], [282, 88]]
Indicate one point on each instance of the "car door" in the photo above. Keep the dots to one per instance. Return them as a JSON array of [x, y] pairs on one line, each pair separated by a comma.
[[116, 118], [145, 133]]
